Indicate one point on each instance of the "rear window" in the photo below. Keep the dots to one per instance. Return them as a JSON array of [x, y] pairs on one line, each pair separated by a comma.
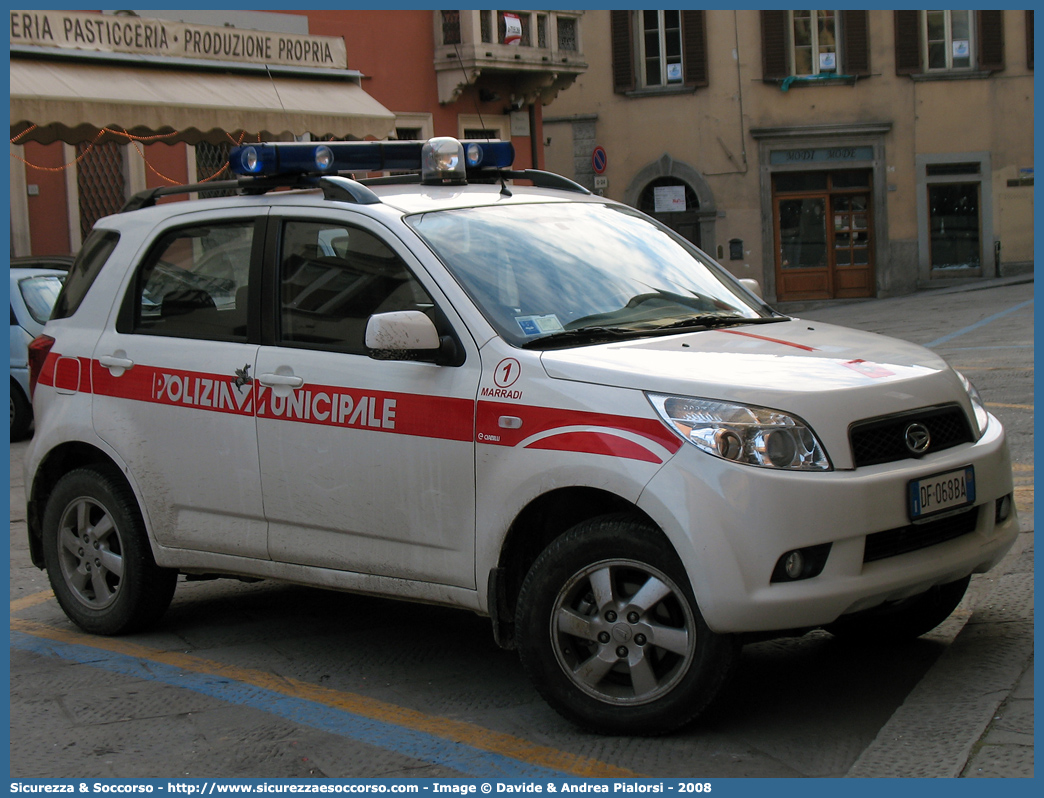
[[87, 266], [39, 294]]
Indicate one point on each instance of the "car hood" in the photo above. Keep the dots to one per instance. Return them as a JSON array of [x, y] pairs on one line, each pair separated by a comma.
[[827, 375]]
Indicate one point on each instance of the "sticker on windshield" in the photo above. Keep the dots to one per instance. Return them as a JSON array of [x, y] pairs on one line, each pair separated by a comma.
[[539, 325]]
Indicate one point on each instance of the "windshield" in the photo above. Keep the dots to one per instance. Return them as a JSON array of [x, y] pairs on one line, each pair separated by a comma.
[[39, 294], [560, 270]]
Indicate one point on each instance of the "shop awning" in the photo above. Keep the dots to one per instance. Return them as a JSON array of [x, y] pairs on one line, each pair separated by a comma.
[[71, 101]]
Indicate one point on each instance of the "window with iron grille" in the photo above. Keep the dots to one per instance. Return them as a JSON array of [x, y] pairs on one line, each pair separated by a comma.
[[408, 133], [100, 182], [542, 31], [486, 23], [567, 34], [211, 160], [451, 27]]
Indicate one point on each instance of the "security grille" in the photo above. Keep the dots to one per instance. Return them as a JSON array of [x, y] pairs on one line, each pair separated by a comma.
[[100, 182], [210, 160], [883, 440], [451, 27], [567, 33]]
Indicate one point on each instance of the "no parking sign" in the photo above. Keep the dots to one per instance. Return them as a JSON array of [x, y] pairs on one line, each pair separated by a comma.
[[599, 159]]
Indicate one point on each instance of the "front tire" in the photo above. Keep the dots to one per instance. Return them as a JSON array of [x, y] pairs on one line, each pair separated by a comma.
[[610, 634], [97, 555]]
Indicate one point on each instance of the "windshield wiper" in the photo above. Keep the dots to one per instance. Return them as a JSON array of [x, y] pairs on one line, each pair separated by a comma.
[[710, 321], [582, 336]]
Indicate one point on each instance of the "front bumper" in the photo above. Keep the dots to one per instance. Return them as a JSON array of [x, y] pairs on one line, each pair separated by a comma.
[[731, 524]]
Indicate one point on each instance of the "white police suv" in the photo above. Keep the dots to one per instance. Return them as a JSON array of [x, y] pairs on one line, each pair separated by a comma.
[[528, 402]]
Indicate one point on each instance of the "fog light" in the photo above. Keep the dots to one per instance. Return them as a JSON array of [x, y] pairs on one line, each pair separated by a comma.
[[801, 563], [1003, 509], [794, 564]]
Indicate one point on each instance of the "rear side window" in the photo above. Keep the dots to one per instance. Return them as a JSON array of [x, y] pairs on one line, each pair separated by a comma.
[[39, 294], [87, 266], [194, 283]]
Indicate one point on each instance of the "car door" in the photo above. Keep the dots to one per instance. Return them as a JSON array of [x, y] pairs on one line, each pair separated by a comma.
[[172, 382], [367, 465]]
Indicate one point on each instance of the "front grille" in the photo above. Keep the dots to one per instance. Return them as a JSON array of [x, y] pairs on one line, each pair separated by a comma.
[[883, 440], [893, 542]]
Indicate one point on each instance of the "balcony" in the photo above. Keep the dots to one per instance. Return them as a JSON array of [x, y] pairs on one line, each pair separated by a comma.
[[474, 48]]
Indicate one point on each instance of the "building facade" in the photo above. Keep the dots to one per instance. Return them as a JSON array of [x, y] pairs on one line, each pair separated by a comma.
[[105, 104], [827, 154]]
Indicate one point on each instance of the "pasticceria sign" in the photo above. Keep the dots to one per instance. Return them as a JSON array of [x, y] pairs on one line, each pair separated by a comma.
[[143, 36]]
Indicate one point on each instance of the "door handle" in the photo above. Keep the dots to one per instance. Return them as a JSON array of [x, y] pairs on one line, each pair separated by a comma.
[[114, 362], [281, 380]]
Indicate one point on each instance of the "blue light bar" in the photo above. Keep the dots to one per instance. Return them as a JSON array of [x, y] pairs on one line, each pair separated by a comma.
[[332, 157]]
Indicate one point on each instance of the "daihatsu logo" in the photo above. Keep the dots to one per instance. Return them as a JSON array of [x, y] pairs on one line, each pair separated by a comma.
[[918, 439]]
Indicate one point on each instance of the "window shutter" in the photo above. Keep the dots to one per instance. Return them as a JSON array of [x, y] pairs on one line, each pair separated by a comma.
[[623, 50], [907, 42], [774, 62], [1029, 39], [855, 30], [694, 48], [991, 39]]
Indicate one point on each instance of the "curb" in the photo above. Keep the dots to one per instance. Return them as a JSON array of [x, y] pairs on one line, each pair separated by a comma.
[[942, 730]]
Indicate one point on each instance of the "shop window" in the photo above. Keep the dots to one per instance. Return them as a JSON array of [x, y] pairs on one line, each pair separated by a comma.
[[654, 50], [805, 43], [944, 42], [953, 218]]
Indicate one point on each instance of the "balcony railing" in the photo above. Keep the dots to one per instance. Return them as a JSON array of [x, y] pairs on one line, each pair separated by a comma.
[[544, 46]]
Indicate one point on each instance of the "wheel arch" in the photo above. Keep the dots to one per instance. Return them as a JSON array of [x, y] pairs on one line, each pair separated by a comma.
[[539, 523], [59, 462]]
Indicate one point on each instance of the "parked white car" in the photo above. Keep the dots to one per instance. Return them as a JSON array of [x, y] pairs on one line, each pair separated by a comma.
[[35, 283], [528, 402]]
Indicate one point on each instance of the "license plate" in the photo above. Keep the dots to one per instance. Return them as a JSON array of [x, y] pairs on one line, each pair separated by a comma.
[[941, 492]]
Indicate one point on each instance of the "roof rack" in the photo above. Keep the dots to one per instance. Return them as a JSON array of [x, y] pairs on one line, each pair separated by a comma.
[[538, 177], [334, 187]]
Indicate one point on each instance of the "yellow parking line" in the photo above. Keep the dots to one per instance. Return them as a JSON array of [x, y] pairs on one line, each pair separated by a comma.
[[1013, 407], [444, 728], [32, 600]]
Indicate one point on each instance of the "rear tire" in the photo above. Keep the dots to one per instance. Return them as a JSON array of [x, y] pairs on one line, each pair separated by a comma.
[[905, 620], [98, 557], [610, 634], [21, 413]]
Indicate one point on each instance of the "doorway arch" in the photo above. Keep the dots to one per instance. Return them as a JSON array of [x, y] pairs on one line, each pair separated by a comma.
[[695, 224]]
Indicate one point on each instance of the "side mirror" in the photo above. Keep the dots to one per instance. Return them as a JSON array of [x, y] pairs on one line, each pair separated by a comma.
[[752, 285], [401, 331]]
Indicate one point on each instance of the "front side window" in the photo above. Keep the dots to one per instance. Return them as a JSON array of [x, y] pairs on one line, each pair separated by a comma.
[[947, 39], [591, 267], [193, 283], [333, 278], [814, 42]]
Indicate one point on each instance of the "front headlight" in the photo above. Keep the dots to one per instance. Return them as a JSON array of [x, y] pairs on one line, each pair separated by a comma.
[[982, 416], [745, 434]]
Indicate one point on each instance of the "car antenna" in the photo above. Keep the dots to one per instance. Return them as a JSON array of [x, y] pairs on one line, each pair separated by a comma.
[[504, 191]]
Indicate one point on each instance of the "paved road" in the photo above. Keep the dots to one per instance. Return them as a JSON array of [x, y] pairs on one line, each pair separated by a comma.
[[268, 680]]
